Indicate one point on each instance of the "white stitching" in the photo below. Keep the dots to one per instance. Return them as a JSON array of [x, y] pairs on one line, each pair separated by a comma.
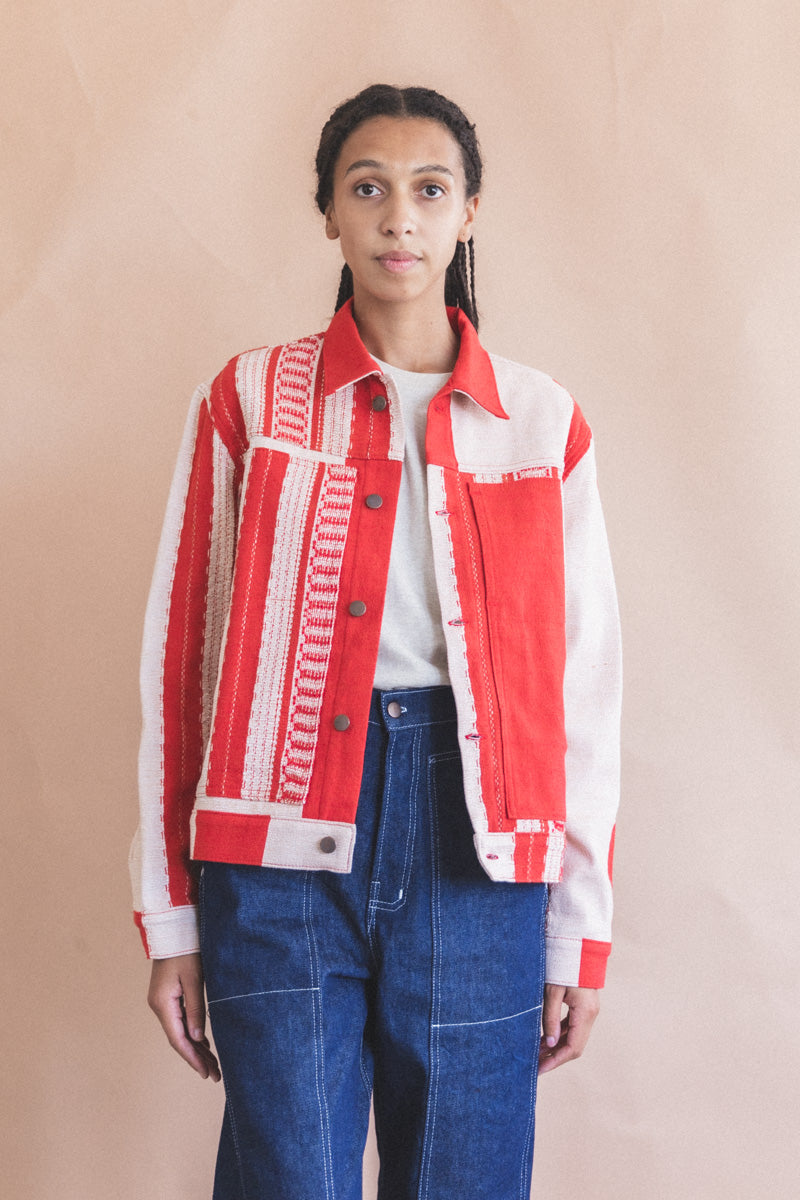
[[491, 1021], [271, 992], [319, 1052]]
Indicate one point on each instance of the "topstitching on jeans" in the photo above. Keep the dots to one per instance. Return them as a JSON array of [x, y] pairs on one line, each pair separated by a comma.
[[490, 1021], [436, 985], [236, 1146], [389, 798], [319, 1043], [269, 992]]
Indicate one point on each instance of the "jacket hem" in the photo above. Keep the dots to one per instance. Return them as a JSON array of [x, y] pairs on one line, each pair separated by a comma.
[[266, 840], [534, 855]]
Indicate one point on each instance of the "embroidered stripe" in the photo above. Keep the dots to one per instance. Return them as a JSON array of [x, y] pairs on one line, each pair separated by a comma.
[[223, 532], [252, 370], [316, 634], [293, 375], [291, 533], [338, 421]]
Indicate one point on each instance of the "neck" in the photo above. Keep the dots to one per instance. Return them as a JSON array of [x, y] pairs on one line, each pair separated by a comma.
[[413, 338]]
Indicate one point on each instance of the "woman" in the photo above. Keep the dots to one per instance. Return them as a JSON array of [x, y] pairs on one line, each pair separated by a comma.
[[381, 703]]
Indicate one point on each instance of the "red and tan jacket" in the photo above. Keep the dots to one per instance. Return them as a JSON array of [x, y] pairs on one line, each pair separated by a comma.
[[256, 677]]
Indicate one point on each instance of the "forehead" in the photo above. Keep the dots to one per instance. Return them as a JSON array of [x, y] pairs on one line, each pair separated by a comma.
[[400, 142]]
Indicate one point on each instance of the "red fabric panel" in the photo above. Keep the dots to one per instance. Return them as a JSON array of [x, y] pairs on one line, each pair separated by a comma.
[[439, 449], [611, 855], [530, 850], [139, 922], [578, 440], [227, 412], [594, 959], [183, 656], [525, 609], [230, 837]]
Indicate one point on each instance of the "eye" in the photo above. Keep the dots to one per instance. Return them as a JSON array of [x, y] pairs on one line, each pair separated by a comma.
[[366, 189], [432, 190]]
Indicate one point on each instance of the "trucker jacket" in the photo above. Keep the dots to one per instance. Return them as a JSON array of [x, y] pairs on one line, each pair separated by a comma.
[[262, 629]]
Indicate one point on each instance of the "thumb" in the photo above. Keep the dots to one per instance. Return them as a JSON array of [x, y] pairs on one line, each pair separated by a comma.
[[551, 1013]]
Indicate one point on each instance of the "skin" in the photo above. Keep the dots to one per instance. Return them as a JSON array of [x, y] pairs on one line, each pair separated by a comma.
[[399, 188]]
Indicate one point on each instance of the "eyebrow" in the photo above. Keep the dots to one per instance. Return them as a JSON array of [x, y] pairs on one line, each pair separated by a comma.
[[371, 162]]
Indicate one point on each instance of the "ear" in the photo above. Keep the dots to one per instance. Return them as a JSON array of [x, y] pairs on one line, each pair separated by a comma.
[[331, 224], [465, 232]]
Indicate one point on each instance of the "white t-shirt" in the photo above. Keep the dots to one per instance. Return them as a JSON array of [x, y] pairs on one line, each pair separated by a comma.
[[411, 652]]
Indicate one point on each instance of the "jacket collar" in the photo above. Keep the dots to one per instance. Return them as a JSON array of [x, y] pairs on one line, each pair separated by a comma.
[[345, 359]]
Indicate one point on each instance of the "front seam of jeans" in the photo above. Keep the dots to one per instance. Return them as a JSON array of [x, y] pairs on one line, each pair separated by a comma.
[[526, 1168], [363, 1071], [236, 1146], [436, 989], [319, 1050]]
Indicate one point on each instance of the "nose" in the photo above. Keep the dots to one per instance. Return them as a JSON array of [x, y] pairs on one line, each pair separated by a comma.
[[398, 217]]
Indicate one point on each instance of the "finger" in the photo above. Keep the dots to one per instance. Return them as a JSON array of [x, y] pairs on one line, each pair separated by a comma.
[[194, 1013], [194, 1006], [553, 1056], [551, 1014]]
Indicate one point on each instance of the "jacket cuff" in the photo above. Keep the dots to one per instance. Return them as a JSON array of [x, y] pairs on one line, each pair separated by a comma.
[[576, 962], [168, 934]]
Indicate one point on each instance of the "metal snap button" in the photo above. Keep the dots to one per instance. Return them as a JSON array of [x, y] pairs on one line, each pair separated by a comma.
[[327, 845], [373, 500], [379, 403], [357, 608], [393, 708], [341, 722]]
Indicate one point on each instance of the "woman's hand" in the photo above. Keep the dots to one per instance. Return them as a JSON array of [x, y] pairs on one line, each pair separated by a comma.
[[563, 1040], [177, 997]]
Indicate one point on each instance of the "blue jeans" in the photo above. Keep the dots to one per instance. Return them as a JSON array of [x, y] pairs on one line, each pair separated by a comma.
[[415, 975]]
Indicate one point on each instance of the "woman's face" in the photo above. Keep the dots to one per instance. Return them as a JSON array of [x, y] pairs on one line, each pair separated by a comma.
[[399, 207]]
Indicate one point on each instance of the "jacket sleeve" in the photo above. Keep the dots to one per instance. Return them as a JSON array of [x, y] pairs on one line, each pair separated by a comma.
[[579, 911], [183, 633]]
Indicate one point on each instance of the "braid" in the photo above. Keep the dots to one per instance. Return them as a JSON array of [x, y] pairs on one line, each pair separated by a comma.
[[382, 100], [345, 287], [459, 284]]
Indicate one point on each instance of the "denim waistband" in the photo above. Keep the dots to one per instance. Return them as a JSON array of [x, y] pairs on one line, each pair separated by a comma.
[[418, 706]]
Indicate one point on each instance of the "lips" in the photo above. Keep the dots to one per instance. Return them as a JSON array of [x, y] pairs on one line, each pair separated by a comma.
[[398, 261]]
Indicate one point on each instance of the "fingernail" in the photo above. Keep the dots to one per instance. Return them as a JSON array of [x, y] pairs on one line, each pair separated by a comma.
[[197, 1034], [551, 1041]]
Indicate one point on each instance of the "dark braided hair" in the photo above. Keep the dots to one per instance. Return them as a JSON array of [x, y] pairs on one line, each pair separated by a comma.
[[382, 100]]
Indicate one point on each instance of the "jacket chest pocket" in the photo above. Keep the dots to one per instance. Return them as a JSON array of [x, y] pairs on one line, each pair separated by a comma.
[[521, 536]]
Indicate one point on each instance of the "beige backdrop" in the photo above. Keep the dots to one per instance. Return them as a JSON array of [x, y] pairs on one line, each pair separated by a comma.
[[639, 240]]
